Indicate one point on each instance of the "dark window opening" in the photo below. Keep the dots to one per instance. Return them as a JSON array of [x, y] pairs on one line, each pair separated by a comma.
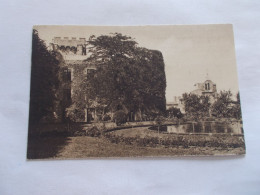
[[67, 75], [67, 94], [90, 73], [207, 86]]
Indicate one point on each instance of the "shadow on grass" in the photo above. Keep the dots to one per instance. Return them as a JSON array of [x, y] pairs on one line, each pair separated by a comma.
[[162, 128], [41, 147]]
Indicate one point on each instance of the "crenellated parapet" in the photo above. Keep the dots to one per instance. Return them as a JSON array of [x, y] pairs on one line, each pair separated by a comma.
[[69, 45], [71, 42]]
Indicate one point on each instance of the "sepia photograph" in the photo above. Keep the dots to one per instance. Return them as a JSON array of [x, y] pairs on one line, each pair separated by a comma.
[[134, 91]]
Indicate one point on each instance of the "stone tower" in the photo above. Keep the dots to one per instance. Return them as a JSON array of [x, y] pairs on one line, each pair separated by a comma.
[[68, 46]]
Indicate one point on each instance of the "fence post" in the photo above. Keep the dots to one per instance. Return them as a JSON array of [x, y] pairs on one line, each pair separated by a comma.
[[203, 127]]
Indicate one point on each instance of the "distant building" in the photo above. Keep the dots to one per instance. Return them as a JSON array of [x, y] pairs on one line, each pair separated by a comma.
[[207, 88], [177, 103]]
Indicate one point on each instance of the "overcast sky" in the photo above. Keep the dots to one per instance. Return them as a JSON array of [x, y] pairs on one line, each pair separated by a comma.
[[191, 52]]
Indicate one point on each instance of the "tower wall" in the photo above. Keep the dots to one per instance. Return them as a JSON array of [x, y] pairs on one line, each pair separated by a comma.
[[70, 45]]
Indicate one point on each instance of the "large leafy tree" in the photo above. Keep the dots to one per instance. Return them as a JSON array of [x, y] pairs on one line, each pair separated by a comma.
[[127, 78], [44, 81], [226, 107], [196, 106], [222, 106]]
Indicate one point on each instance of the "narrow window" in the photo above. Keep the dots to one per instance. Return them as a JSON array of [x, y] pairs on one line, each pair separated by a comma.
[[67, 75], [90, 73], [67, 94]]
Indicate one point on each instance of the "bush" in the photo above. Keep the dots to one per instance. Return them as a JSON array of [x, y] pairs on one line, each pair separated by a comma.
[[106, 117], [120, 117], [175, 113], [179, 141], [93, 132], [159, 120]]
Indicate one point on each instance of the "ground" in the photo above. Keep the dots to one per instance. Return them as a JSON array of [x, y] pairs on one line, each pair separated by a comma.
[[84, 146]]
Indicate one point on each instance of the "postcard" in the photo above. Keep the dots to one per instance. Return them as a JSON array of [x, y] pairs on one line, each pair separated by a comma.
[[134, 91]]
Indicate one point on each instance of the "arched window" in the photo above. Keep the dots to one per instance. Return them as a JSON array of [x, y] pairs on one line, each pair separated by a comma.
[[207, 86]]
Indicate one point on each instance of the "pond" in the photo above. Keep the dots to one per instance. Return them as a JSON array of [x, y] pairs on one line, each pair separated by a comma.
[[207, 127]]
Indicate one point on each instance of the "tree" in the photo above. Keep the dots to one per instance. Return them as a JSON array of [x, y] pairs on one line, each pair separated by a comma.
[[175, 112], [120, 117], [225, 107], [222, 107], [44, 81], [196, 106], [123, 79], [236, 110], [159, 121]]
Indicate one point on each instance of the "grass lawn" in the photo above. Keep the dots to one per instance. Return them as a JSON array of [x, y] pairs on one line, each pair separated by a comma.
[[85, 147]]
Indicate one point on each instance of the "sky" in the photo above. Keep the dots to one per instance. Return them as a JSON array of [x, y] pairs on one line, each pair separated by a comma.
[[192, 53]]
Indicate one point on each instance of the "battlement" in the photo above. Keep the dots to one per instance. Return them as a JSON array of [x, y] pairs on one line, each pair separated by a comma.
[[69, 46], [66, 41]]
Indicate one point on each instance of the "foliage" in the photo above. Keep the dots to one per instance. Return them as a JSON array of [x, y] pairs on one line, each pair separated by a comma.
[[159, 121], [236, 109], [106, 117], [185, 141], [93, 132], [120, 117], [124, 80], [175, 112], [196, 106], [222, 108], [225, 107], [74, 113], [44, 81]]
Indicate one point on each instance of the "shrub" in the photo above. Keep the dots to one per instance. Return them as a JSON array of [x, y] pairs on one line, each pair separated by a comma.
[[106, 117], [120, 117], [179, 141], [93, 132], [175, 112]]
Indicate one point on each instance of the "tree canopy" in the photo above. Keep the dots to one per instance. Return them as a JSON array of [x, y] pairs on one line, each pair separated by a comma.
[[44, 81], [196, 106], [174, 112], [223, 106], [127, 77]]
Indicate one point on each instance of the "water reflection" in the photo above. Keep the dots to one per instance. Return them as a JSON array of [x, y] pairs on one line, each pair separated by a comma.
[[207, 127]]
